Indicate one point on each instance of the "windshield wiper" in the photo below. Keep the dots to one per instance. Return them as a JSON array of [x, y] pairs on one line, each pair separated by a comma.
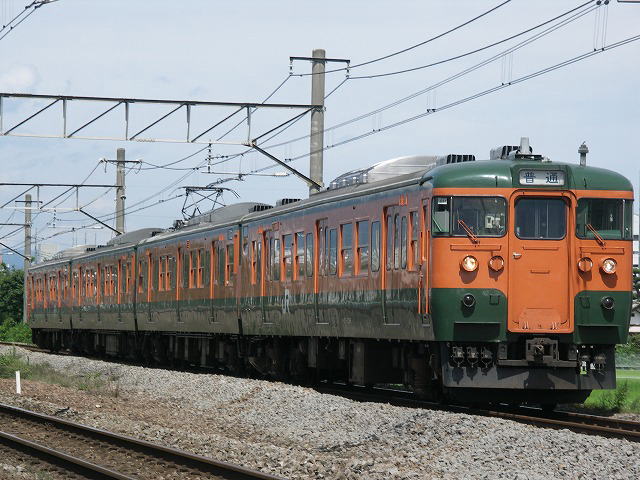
[[470, 233], [599, 239]]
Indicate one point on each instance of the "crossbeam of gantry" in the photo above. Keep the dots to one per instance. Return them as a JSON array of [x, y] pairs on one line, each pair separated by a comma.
[[183, 109]]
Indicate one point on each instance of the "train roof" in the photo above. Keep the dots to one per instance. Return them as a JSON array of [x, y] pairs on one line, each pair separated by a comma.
[[506, 174]]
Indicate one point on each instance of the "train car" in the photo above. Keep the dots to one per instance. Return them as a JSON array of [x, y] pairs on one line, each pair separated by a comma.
[[506, 279]]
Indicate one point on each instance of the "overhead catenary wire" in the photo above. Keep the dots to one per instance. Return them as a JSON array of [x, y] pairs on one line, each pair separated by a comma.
[[477, 50], [15, 21], [575, 16], [461, 101], [412, 47]]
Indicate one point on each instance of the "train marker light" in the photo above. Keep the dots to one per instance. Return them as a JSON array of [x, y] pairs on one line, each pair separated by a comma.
[[469, 263], [496, 263], [607, 303], [585, 264], [468, 300], [609, 266]]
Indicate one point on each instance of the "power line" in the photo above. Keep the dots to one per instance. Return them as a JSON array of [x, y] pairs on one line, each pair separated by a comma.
[[31, 8], [429, 40], [461, 101], [477, 50], [576, 15]]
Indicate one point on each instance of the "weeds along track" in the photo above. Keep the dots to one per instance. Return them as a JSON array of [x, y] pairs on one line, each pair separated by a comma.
[[88, 452]]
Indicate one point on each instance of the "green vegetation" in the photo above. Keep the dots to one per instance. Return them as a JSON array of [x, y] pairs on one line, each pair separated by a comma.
[[11, 293], [11, 297], [95, 383], [625, 398]]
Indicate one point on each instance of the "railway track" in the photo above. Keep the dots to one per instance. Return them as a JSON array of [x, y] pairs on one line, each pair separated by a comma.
[[577, 422], [87, 452]]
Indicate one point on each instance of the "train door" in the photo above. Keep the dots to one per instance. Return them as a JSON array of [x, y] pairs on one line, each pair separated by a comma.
[[539, 297], [395, 261], [424, 258], [321, 283]]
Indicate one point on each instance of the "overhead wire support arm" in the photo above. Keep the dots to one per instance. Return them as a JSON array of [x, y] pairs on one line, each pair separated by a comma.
[[298, 174], [117, 232], [14, 251]]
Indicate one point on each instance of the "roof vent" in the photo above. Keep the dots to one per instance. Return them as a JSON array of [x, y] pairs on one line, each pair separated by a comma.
[[456, 158], [260, 207], [286, 201]]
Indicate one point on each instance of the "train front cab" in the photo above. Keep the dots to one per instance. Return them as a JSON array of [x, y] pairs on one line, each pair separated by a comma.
[[542, 285]]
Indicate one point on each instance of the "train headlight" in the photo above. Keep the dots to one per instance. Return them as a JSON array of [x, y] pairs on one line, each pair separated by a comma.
[[469, 263], [496, 263], [585, 264], [608, 303], [609, 266], [468, 300]]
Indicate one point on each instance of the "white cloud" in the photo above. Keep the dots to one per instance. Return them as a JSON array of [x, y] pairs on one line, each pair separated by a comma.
[[19, 78]]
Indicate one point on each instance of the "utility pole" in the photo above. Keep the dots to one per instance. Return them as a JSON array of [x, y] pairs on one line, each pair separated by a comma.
[[120, 194], [27, 251], [316, 144], [318, 61]]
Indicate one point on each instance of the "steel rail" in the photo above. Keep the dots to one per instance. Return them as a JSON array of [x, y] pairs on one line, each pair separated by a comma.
[[577, 422], [61, 458], [218, 468]]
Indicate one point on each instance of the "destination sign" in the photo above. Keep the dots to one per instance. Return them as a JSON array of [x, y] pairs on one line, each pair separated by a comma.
[[542, 177]]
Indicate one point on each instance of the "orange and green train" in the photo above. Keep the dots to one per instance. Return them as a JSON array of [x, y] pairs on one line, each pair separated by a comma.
[[506, 279]]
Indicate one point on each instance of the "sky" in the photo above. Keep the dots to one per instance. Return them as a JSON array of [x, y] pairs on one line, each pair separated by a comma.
[[239, 52]]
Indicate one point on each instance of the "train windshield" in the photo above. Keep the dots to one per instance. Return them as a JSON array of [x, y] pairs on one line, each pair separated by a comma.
[[541, 218], [610, 218], [482, 216]]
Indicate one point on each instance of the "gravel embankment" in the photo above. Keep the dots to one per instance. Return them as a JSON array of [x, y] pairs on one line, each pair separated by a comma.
[[299, 433]]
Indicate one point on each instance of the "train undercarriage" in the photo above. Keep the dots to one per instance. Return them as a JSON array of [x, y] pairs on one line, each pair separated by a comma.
[[440, 371]]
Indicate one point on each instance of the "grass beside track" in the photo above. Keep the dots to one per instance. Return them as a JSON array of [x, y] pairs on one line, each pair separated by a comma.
[[96, 383], [625, 398]]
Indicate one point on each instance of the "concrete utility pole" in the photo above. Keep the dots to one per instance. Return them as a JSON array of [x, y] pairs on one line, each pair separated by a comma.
[[120, 194], [317, 119], [27, 250]]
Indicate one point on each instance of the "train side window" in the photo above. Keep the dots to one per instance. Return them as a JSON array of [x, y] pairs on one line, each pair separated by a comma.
[[287, 252], [171, 273], [440, 216], [114, 280], [221, 263], [201, 264], [156, 273], [309, 255], [104, 285], [362, 254], [333, 251], [414, 251], [253, 262], [403, 242], [375, 246], [161, 274], [185, 269], [346, 249], [230, 261], [206, 266], [389, 242], [259, 262], [275, 259], [396, 239], [299, 256], [245, 241]]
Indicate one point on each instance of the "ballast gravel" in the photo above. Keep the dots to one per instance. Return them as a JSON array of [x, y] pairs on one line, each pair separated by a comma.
[[296, 432]]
